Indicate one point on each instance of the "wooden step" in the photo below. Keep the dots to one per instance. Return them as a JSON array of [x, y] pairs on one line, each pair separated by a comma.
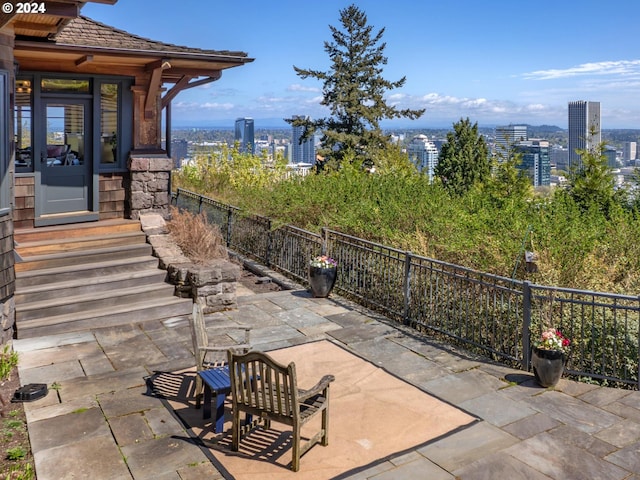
[[85, 271], [71, 278], [116, 282], [54, 307], [52, 246], [150, 310], [39, 262], [76, 230]]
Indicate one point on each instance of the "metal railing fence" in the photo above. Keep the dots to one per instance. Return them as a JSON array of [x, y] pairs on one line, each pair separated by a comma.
[[486, 313]]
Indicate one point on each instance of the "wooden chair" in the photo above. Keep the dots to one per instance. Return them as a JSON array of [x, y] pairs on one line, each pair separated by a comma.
[[268, 390], [204, 352]]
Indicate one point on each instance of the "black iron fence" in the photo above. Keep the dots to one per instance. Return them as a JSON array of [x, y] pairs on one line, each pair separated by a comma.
[[487, 313]]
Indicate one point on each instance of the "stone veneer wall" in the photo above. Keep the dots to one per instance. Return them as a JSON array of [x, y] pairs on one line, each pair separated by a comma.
[[148, 190], [213, 285]]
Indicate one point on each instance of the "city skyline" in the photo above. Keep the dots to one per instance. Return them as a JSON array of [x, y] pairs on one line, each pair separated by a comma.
[[459, 60]]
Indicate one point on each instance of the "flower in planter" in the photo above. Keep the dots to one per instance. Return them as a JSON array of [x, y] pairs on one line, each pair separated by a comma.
[[552, 339], [323, 261]]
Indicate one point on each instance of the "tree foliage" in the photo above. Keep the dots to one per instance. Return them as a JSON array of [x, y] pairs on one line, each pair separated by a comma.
[[591, 184], [353, 90], [464, 158]]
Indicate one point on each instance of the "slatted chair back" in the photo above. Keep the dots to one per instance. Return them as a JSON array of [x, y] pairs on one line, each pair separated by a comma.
[[265, 389], [207, 355]]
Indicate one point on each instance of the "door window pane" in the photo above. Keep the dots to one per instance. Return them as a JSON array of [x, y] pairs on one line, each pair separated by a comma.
[[109, 147], [65, 135], [23, 126]]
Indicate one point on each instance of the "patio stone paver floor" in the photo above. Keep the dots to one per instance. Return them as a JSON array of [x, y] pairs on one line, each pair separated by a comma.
[[99, 420]]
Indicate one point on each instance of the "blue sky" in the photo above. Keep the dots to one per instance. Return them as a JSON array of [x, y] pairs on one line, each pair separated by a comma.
[[495, 62]]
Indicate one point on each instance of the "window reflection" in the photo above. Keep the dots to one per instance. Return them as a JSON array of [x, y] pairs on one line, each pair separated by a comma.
[[22, 127], [109, 123], [65, 135], [64, 85]]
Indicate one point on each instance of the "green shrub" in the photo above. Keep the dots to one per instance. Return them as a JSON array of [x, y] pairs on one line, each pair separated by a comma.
[[483, 229]]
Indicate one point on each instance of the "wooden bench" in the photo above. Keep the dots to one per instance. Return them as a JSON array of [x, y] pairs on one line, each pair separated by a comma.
[[268, 390]]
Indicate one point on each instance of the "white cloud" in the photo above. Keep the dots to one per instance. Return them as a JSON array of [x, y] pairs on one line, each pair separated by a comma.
[[620, 67], [187, 106], [296, 87]]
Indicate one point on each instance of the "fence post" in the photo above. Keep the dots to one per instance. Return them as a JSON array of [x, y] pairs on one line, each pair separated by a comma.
[[406, 290], [229, 220], [526, 324], [638, 359], [269, 244], [323, 234], [200, 204]]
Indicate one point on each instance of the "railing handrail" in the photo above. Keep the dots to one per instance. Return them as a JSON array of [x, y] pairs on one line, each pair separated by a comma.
[[445, 298]]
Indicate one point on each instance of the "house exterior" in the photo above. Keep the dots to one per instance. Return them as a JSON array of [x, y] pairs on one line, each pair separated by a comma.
[[83, 107]]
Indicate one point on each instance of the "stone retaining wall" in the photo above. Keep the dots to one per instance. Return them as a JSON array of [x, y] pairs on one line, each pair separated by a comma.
[[213, 284]]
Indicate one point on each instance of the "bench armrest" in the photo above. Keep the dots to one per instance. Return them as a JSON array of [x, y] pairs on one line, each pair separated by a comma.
[[318, 388]]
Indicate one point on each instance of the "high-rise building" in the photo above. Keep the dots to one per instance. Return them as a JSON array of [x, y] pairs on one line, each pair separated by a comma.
[[612, 156], [535, 161], [423, 154], [507, 136], [629, 153], [305, 152], [559, 157], [245, 135], [584, 129]]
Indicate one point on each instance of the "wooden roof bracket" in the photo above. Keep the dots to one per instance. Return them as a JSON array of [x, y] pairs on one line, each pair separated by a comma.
[[186, 82], [155, 84]]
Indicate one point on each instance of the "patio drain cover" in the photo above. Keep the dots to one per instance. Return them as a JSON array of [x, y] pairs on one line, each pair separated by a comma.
[[30, 392]]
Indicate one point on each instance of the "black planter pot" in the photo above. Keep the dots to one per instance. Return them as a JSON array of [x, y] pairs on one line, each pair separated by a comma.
[[322, 281], [548, 366]]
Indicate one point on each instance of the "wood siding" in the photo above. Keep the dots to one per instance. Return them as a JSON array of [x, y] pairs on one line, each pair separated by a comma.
[[7, 275], [112, 198], [112, 195]]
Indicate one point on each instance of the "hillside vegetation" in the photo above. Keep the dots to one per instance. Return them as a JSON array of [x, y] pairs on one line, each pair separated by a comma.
[[577, 245]]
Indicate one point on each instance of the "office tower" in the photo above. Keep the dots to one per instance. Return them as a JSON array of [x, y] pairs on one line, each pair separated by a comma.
[[305, 152], [244, 135], [584, 129], [559, 157], [535, 161], [629, 153], [423, 154], [507, 136], [611, 154]]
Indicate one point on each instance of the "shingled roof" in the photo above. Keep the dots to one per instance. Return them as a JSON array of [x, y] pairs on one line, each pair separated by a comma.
[[86, 32]]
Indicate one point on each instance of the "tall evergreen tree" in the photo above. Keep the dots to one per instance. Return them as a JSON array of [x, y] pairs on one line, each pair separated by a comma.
[[353, 90], [464, 158]]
